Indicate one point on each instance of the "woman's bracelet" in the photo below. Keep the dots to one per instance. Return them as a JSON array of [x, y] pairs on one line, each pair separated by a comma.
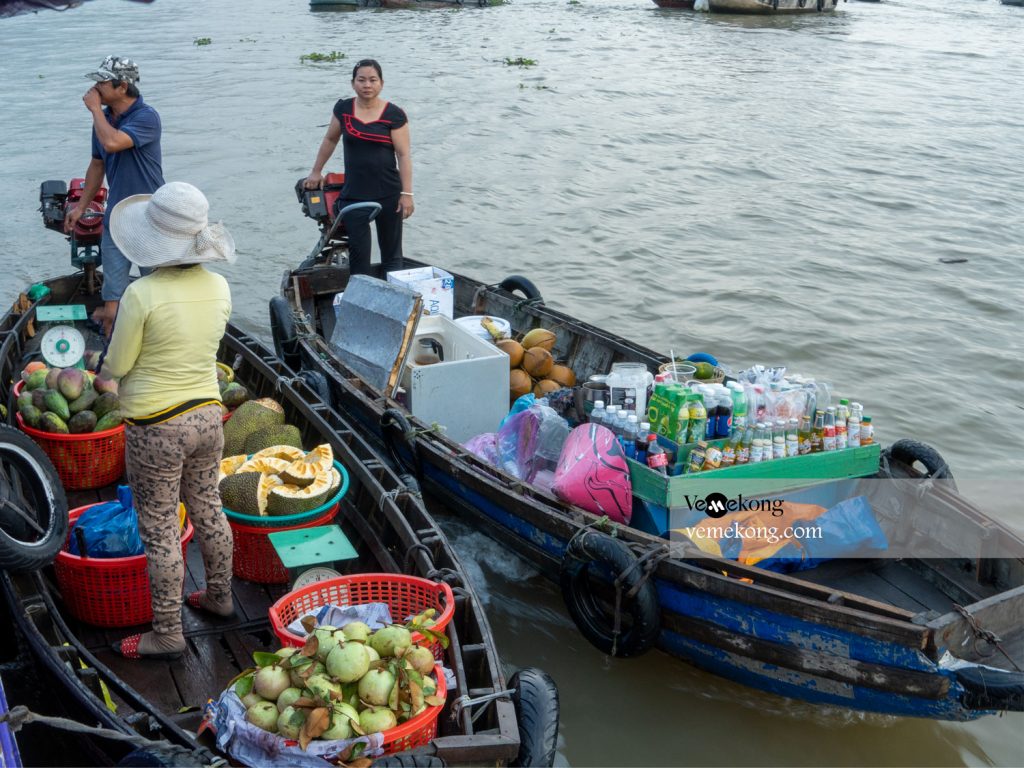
[[406, 193]]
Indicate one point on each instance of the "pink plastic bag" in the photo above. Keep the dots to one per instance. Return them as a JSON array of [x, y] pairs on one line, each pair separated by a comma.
[[592, 473]]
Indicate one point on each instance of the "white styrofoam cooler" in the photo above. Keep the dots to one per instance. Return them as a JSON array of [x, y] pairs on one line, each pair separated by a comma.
[[467, 393]]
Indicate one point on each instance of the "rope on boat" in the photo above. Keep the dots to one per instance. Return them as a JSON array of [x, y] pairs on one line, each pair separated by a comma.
[[417, 547], [647, 561], [447, 575], [980, 633], [20, 716], [465, 701]]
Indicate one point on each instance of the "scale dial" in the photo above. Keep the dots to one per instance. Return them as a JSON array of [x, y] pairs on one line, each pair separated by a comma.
[[313, 575], [62, 346]]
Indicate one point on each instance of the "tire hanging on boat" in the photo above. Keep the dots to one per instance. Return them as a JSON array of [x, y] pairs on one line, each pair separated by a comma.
[[33, 506], [537, 713], [592, 548], [394, 427], [910, 452], [317, 382], [524, 285], [284, 333]]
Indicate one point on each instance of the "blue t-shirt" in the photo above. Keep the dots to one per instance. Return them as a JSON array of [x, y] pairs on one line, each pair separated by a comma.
[[136, 170]]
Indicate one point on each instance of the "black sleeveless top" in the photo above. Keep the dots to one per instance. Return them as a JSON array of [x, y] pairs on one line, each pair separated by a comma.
[[371, 171]]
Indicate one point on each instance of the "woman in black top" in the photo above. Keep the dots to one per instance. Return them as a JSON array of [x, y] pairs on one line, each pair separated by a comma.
[[378, 167]]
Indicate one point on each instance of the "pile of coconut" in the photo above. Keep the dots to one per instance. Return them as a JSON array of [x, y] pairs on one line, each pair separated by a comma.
[[533, 366], [343, 682]]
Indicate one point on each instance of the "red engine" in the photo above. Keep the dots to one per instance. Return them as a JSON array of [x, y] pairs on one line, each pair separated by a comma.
[[319, 204], [57, 198]]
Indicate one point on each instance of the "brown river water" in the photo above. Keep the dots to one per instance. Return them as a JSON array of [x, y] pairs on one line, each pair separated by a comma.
[[774, 190]]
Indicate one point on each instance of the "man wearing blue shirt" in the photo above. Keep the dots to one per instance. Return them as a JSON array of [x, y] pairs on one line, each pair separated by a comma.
[[125, 149]]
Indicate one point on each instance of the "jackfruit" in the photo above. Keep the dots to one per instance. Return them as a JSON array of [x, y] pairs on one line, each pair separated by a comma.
[[230, 465], [287, 452], [290, 499], [249, 417], [265, 465], [239, 493], [305, 470], [281, 434]]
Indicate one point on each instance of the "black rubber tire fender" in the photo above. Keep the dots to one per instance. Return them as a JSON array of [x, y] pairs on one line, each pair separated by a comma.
[[283, 332], [593, 547], [524, 285], [317, 382], [987, 689], [403, 760], [40, 481], [911, 452], [395, 426], [537, 713]]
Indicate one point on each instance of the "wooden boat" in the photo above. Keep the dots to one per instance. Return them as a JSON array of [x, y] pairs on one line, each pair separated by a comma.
[[674, 3], [891, 636], [1012, 2], [386, 523], [766, 7], [336, 5]]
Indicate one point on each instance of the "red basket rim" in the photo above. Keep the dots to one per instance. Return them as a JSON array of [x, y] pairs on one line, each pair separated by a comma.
[[254, 530], [68, 559], [440, 622], [61, 437]]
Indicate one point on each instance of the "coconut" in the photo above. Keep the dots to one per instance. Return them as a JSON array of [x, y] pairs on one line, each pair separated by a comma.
[[538, 362], [270, 682], [545, 386], [348, 662], [391, 641], [539, 337], [263, 715], [519, 382], [563, 374], [376, 719], [375, 687], [513, 349], [421, 658]]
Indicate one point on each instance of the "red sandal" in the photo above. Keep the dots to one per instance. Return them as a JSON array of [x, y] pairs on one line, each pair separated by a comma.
[[194, 600], [129, 649]]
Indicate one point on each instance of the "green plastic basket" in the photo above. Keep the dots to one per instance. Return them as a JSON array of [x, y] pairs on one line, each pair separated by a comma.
[[282, 521]]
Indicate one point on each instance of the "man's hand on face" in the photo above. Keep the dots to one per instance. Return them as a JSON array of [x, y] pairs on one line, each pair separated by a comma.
[[92, 99]]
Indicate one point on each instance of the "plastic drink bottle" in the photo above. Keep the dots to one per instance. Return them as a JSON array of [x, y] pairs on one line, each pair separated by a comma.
[[730, 449], [712, 457], [757, 444], [842, 416], [828, 440], [739, 405], [609, 416], [681, 435], [818, 432], [853, 425], [804, 435], [657, 459], [792, 438], [867, 431], [723, 421], [698, 419], [629, 435], [711, 408], [779, 440], [746, 443], [641, 442], [597, 415]]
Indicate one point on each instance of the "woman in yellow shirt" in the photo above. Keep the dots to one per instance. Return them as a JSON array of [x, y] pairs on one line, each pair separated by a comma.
[[163, 348]]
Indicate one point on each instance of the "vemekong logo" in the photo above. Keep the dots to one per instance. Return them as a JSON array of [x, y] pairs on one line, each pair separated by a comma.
[[718, 505]]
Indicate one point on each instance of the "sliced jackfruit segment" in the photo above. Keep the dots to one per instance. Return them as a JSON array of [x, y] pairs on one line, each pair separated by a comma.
[[305, 470], [267, 484], [264, 465], [230, 465], [287, 453], [290, 499]]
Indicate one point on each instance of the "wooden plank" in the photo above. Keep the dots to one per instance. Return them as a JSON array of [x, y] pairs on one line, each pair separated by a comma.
[[873, 586], [153, 679], [203, 671], [1002, 614], [916, 587], [824, 665]]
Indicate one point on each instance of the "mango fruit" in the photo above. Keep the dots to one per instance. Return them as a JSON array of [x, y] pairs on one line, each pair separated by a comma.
[[36, 379], [83, 421], [31, 415], [104, 404], [71, 383], [56, 403], [51, 377], [83, 402], [51, 422], [109, 421]]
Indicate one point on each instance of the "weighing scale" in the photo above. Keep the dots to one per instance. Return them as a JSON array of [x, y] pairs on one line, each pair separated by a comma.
[[62, 345], [312, 555]]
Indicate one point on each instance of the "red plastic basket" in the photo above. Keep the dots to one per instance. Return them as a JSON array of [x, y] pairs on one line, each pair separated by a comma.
[[254, 557], [89, 460], [107, 592], [404, 595], [419, 730]]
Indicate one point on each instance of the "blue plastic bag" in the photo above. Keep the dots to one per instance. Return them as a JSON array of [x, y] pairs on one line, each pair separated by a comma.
[[109, 530]]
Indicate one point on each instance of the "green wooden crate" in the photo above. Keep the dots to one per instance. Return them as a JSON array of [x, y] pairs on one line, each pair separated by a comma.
[[760, 479]]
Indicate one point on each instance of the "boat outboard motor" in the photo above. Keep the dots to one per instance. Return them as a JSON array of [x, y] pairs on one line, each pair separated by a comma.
[[55, 200]]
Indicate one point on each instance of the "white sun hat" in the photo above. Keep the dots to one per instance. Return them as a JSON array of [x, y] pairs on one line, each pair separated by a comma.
[[169, 228]]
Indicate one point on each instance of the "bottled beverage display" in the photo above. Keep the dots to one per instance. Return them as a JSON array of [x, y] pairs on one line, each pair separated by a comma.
[[779, 440], [657, 457], [683, 418], [842, 416], [641, 442], [804, 440], [757, 444], [746, 442], [629, 435], [739, 405], [818, 432], [712, 457], [697, 457], [698, 419], [732, 448], [723, 420], [610, 412], [853, 425], [597, 415]]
